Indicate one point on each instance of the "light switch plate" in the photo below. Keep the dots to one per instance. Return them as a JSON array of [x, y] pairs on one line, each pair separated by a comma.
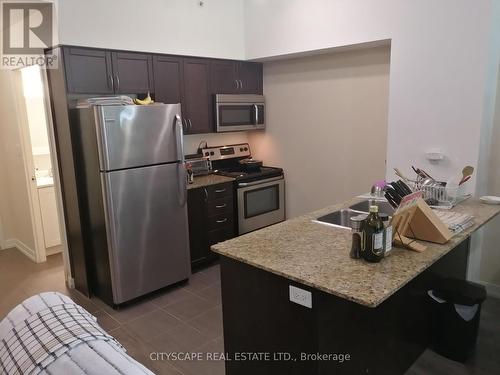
[[300, 296]]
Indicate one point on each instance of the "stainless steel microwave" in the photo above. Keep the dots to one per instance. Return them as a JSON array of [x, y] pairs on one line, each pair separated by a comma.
[[239, 112]]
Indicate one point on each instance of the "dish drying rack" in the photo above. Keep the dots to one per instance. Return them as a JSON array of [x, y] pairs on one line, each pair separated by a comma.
[[438, 194]]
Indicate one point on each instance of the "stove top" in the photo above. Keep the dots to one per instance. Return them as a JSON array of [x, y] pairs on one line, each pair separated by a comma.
[[242, 175], [226, 162]]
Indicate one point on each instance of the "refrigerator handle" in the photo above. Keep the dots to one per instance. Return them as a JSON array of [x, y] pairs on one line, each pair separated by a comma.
[[179, 132], [182, 179]]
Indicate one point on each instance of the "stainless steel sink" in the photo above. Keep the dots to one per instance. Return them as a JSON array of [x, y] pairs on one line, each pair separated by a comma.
[[364, 206], [341, 218]]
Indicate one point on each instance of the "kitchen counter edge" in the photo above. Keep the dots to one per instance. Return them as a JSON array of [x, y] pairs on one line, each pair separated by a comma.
[[317, 255], [207, 180]]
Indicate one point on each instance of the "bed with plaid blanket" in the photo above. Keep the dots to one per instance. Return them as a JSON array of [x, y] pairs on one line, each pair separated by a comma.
[[50, 334]]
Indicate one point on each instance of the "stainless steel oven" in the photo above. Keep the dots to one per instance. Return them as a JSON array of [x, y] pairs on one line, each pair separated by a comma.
[[260, 203], [239, 112]]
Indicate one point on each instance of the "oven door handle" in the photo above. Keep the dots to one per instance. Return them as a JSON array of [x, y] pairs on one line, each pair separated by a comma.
[[253, 183]]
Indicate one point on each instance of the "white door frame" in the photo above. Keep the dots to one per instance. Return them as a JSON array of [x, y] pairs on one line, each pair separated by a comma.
[[29, 168], [57, 181]]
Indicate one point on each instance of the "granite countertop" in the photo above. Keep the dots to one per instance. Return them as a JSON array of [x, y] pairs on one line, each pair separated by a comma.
[[317, 255], [210, 179]]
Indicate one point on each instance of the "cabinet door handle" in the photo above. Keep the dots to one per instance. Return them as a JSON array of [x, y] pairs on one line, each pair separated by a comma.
[[112, 82], [220, 190], [206, 194], [190, 125], [236, 84], [221, 221], [117, 82], [241, 84], [221, 205]]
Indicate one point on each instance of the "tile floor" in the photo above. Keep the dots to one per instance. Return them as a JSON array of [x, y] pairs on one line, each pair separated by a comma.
[[189, 318]]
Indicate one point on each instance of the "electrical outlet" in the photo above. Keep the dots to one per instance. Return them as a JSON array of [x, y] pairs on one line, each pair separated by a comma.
[[301, 296]]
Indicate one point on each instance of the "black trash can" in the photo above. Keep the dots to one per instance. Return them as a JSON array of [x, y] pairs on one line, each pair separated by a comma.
[[455, 319]]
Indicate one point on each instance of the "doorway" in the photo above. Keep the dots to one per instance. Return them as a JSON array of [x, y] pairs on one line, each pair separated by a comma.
[[39, 162], [31, 213]]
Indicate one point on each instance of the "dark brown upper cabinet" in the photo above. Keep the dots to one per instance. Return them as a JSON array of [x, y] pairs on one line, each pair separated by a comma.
[[196, 100], [167, 79], [95, 71], [223, 77], [250, 77], [235, 77], [132, 72], [173, 79], [88, 71]]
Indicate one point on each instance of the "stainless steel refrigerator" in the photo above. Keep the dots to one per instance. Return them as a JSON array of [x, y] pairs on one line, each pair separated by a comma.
[[132, 193]]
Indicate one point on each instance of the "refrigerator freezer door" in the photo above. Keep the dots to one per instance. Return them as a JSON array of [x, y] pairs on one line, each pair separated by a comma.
[[135, 136], [146, 222]]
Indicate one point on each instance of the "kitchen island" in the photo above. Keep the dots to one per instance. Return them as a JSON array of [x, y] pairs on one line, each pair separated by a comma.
[[358, 317]]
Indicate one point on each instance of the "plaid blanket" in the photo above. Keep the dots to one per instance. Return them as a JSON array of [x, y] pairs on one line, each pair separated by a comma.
[[48, 334], [39, 340]]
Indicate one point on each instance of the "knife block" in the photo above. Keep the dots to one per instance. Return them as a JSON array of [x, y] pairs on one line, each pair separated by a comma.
[[414, 219]]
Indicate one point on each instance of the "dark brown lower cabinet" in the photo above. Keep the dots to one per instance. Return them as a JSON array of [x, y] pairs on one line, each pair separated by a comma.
[[211, 220], [383, 340]]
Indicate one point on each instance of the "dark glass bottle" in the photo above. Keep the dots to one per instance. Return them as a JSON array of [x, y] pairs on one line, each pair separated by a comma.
[[373, 237], [357, 232]]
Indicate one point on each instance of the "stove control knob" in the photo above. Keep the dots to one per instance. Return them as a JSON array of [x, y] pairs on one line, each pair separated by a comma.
[[207, 153], [241, 149], [212, 153], [246, 148]]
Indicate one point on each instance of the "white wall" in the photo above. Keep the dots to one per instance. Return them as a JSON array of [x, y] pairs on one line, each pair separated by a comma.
[[489, 269], [14, 199], [438, 58], [36, 117], [484, 253], [37, 125], [191, 142], [326, 125], [443, 56], [163, 26]]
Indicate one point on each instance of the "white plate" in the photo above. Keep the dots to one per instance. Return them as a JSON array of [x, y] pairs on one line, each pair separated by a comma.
[[490, 199]]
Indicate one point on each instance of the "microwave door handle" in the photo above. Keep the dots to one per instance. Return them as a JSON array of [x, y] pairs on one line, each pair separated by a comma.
[[256, 109]]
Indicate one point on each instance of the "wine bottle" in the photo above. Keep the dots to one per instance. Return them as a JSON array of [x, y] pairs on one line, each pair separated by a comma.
[[372, 249]]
